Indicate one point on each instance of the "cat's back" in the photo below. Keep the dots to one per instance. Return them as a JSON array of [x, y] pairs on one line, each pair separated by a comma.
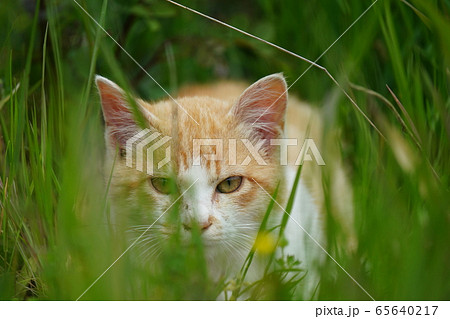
[[222, 90]]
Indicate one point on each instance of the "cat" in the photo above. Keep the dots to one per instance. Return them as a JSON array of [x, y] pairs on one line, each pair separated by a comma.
[[224, 199]]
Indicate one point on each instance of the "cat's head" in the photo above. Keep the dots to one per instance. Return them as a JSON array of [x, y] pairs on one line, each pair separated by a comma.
[[203, 158]]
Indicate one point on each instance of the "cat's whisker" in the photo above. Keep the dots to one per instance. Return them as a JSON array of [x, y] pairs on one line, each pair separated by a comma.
[[235, 253], [239, 252], [156, 251], [243, 240], [241, 245], [240, 233], [144, 228], [225, 247], [149, 250], [148, 254], [247, 227], [149, 240]]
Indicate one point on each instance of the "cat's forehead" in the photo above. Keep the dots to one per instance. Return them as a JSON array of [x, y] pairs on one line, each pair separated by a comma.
[[194, 124], [206, 139], [194, 177], [196, 117]]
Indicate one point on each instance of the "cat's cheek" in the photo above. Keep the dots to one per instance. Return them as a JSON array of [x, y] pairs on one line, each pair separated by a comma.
[[159, 203], [229, 215], [138, 202], [243, 199], [246, 196]]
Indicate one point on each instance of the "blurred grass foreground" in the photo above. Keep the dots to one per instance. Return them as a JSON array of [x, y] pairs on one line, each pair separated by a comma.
[[394, 62]]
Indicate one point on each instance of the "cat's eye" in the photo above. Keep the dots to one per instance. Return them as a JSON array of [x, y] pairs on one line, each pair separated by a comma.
[[229, 184], [162, 185]]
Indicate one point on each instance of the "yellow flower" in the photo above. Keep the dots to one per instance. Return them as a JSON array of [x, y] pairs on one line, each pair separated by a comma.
[[265, 243]]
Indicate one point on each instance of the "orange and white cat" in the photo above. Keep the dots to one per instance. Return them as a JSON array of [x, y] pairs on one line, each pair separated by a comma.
[[227, 197]]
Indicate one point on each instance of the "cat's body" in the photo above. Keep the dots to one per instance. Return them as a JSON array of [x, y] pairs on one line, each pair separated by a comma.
[[226, 197]]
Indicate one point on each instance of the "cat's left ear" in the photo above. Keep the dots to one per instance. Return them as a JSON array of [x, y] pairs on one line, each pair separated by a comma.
[[262, 107]]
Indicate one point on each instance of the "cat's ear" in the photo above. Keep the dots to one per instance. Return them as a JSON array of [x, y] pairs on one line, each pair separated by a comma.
[[117, 112], [262, 107]]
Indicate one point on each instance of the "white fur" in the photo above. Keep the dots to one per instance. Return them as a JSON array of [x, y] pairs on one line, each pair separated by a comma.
[[304, 232]]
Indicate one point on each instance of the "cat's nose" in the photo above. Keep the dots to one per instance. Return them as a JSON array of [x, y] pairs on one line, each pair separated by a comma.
[[203, 226], [206, 225]]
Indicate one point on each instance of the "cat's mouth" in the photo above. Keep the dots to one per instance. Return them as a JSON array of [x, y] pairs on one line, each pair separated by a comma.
[[209, 238]]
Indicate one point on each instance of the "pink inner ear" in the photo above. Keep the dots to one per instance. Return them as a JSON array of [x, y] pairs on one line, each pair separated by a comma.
[[262, 106], [118, 116]]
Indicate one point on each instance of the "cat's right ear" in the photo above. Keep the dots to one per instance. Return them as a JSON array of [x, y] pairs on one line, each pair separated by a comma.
[[120, 123], [262, 107]]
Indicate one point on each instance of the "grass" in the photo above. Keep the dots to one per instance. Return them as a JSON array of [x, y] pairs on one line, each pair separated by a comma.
[[54, 236]]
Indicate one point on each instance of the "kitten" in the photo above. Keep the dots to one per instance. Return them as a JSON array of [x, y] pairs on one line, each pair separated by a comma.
[[222, 189]]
